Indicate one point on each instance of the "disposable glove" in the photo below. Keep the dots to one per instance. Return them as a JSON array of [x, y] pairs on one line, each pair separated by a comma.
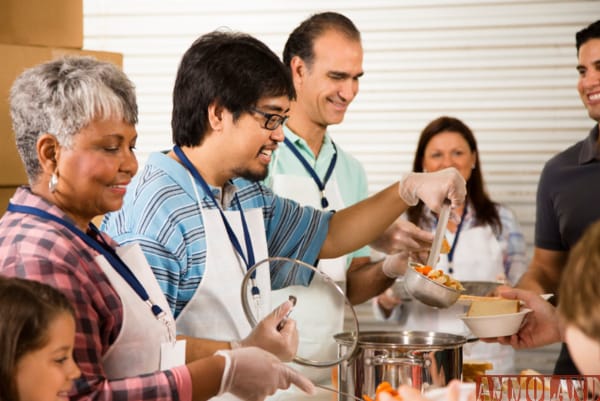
[[395, 265], [252, 374], [403, 235], [265, 335], [434, 188], [387, 301]]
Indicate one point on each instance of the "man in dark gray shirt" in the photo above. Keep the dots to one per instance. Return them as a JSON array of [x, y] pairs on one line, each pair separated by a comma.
[[569, 188]]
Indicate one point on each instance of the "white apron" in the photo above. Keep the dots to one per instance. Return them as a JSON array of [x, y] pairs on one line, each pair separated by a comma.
[[137, 349], [215, 311], [330, 317], [477, 257]]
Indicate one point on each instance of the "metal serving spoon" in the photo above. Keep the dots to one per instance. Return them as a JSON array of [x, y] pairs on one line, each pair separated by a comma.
[[440, 232]]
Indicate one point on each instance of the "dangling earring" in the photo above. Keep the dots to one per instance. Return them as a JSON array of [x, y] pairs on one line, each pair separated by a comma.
[[53, 182], [473, 167]]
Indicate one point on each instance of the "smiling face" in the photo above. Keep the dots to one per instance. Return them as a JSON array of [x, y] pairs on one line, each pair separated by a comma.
[[249, 144], [95, 170], [588, 85], [47, 374], [326, 88], [449, 149]]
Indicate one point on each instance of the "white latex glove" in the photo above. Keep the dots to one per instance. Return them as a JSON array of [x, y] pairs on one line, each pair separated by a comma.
[[395, 265], [403, 235], [265, 335], [434, 188], [387, 301], [252, 374]]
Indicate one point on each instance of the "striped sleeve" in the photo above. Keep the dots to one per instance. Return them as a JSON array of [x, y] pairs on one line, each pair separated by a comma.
[[295, 232]]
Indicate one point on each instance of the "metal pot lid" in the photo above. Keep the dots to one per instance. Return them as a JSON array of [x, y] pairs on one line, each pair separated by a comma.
[[318, 293]]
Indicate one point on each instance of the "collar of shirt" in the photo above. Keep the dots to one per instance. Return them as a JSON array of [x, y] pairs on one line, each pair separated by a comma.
[[24, 196], [590, 151], [325, 154], [225, 196], [178, 173]]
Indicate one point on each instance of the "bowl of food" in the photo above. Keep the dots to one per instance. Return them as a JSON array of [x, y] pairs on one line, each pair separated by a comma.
[[495, 317], [431, 286]]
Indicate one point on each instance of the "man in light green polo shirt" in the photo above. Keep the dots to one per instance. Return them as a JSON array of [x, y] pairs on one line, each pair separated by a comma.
[[324, 54]]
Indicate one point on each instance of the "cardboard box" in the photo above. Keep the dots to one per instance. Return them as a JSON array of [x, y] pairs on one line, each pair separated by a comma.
[[15, 59], [56, 23], [5, 194]]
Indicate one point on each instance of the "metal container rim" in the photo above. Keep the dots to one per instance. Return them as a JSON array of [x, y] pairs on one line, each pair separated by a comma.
[[376, 339]]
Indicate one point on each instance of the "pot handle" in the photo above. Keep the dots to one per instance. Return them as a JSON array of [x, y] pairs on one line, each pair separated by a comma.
[[385, 360]]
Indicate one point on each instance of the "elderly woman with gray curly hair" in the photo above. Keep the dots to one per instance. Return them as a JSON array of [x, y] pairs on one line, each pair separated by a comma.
[[74, 121]]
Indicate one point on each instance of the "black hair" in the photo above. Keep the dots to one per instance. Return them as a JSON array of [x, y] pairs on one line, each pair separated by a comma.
[[301, 41], [233, 69], [592, 31]]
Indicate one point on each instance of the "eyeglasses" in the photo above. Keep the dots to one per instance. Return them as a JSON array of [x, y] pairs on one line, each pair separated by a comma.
[[273, 121]]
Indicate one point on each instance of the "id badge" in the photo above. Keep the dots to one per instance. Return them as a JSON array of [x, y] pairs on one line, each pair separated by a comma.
[[172, 354]]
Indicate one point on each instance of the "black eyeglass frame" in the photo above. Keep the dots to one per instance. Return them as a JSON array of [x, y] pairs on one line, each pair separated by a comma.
[[273, 120]]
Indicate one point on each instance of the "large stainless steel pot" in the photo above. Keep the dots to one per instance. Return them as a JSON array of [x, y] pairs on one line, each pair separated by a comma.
[[420, 359]]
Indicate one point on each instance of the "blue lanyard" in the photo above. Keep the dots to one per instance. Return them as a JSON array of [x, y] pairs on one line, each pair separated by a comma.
[[312, 172], [101, 246], [456, 235], [249, 261]]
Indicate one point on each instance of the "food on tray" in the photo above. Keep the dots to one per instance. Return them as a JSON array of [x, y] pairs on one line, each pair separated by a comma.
[[493, 306], [473, 369], [384, 387], [445, 246], [439, 276]]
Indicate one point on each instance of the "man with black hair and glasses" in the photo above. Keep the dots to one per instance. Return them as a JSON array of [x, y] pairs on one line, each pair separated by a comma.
[[201, 215]]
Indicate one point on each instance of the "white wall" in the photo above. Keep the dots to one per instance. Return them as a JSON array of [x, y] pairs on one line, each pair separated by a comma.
[[506, 67]]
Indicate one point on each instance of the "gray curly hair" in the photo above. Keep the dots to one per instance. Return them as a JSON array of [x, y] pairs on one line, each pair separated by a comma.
[[63, 96]]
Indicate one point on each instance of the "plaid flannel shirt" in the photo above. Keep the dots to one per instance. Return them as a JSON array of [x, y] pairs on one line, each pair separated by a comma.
[[34, 248]]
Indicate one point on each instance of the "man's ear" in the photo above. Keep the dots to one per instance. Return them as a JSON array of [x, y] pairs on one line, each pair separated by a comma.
[[215, 116], [48, 151], [298, 69]]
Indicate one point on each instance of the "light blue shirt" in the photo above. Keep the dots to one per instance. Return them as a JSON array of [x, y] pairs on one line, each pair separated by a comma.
[[161, 213]]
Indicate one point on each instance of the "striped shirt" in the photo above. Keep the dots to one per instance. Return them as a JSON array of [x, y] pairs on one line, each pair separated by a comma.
[[34, 248], [162, 214]]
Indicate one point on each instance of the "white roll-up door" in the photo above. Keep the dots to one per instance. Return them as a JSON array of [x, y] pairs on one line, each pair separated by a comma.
[[505, 67]]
